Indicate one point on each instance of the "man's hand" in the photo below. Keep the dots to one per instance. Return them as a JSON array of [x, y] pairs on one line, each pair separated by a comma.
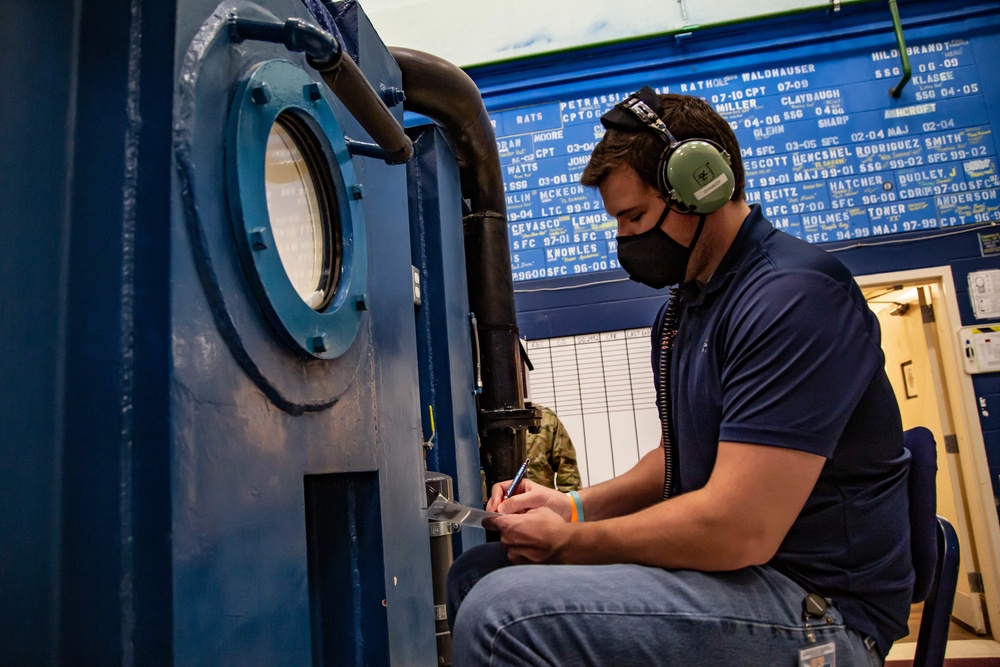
[[529, 496], [539, 536]]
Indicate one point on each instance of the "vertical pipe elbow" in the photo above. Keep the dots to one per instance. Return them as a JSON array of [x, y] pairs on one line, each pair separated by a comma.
[[447, 96]]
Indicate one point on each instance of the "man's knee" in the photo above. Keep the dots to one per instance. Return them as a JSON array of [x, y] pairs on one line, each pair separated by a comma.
[[468, 569]]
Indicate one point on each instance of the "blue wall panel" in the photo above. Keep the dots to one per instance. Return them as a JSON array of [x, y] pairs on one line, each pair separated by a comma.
[[35, 145], [447, 374]]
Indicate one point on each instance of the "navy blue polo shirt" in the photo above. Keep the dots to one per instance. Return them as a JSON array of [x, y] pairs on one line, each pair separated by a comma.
[[780, 349]]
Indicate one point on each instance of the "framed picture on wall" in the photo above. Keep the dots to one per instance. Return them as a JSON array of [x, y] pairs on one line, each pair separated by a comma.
[[909, 379]]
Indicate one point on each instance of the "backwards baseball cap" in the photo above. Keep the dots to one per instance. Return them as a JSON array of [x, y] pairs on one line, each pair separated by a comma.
[[622, 117]]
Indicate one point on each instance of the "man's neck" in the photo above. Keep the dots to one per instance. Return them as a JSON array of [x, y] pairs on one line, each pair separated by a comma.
[[720, 231]]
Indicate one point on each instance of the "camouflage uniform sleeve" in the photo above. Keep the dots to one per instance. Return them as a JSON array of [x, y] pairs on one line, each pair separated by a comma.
[[540, 469], [564, 460]]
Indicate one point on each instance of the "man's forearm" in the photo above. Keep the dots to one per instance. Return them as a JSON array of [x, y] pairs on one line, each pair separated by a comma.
[[739, 518], [676, 534], [630, 492]]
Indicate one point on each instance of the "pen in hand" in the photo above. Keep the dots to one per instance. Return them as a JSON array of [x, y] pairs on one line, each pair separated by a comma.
[[517, 479]]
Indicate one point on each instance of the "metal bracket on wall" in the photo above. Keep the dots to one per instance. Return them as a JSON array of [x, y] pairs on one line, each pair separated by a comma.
[[529, 417], [442, 528], [904, 57], [976, 582]]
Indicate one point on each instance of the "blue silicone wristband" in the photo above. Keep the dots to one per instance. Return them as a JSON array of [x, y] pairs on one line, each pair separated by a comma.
[[578, 503]]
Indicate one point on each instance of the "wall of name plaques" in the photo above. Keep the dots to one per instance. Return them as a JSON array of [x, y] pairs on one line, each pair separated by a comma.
[[828, 153]]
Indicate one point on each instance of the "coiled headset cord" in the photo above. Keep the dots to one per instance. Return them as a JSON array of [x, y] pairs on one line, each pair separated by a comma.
[[668, 333]]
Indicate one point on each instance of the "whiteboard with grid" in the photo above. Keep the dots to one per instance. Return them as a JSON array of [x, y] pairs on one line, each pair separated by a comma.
[[601, 386]]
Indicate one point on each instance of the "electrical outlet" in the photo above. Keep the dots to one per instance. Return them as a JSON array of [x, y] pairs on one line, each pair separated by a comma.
[[416, 285]]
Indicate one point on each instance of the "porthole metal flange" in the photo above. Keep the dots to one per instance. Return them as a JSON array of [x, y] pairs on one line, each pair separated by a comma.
[[273, 89]]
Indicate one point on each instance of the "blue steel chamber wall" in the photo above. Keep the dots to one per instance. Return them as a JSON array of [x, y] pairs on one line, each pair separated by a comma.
[[296, 485], [444, 340], [182, 486], [887, 184]]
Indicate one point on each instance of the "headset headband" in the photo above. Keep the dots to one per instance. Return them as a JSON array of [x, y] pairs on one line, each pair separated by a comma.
[[638, 112], [650, 118]]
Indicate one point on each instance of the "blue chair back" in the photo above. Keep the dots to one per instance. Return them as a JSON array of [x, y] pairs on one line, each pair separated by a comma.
[[922, 488], [934, 546]]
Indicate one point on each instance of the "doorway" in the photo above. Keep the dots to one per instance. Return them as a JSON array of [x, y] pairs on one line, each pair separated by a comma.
[[918, 314]]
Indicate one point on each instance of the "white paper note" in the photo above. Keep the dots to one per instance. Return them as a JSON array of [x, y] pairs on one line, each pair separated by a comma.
[[443, 509]]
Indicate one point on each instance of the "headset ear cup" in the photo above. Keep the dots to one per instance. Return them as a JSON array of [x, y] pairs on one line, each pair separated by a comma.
[[699, 176]]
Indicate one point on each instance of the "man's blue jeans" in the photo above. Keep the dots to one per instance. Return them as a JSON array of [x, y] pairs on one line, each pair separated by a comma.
[[618, 615]]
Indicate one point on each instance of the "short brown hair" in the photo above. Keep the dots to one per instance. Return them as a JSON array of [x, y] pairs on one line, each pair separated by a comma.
[[687, 118]]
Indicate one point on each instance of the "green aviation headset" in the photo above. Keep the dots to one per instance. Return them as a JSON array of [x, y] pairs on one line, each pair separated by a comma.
[[694, 175]]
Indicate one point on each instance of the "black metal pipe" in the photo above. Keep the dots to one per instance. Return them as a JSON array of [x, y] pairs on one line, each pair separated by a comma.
[[296, 34], [365, 149], [442, 556], [445, 94], [351, 87], [325, 54]]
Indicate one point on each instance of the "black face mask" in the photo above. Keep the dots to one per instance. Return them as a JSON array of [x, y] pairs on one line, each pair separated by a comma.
[[653, 258]]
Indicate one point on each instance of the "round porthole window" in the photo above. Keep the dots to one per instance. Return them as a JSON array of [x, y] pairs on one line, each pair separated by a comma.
[[302, 207], [296, 209]]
